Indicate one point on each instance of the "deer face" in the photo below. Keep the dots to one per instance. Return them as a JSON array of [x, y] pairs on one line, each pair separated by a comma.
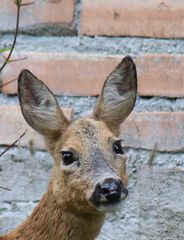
[[89, 174]]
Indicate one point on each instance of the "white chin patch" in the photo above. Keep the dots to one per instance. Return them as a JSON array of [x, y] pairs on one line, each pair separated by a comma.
[[109, 207]]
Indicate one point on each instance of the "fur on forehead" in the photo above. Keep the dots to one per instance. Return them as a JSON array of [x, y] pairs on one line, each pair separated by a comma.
[[86, 130], [89, 128]]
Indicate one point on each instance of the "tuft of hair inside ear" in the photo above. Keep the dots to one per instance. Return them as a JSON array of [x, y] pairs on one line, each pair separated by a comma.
[[118, 95]]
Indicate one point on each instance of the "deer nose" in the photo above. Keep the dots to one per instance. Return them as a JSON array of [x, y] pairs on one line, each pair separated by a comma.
[[112, 190], [109, 191]]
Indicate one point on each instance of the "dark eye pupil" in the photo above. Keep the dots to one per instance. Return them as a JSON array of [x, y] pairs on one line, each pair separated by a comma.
[[68, 158], [117, 148]]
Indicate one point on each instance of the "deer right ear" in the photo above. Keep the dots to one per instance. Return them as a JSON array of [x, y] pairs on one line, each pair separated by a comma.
[[39, 106], [118, 95]]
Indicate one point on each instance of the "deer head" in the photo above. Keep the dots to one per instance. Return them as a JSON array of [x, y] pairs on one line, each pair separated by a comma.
[[89, 174]]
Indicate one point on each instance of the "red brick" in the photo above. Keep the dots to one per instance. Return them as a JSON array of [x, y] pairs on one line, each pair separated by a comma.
[[145, 130], [80, 74], [161, 75], [41, 12], [63, 73], [160, 19], [13, 125]]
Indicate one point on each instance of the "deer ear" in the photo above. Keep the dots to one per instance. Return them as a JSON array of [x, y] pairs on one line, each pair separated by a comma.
[[39, 106], [118, 95]]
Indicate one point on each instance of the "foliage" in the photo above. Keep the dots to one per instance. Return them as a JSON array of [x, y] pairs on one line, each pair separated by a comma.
[[18, 4]]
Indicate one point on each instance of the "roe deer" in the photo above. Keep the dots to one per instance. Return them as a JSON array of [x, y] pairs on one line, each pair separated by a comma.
[[89, 175]]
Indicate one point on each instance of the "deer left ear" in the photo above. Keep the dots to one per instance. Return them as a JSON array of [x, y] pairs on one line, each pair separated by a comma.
[[39, 106], [118, 95]]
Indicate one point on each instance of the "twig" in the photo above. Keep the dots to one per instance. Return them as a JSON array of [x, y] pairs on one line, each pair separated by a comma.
[[19, 4], [18, 59], [26, 4], [15, 79], [15, 37], [3, 56], [1, 154], [4, 188], [4, 84]]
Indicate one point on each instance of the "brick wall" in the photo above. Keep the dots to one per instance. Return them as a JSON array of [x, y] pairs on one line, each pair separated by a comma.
[[72, 46]]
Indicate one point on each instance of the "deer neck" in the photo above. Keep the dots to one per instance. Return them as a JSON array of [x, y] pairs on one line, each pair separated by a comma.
[[50, 221]]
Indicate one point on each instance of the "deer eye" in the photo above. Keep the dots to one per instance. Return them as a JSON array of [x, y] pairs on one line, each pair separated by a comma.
[[68, 157], [117, 148]]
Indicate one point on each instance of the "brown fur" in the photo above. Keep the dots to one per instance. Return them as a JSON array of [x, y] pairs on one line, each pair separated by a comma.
[[65, 211]]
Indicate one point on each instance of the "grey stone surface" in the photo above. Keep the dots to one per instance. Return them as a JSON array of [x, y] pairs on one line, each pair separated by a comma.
[[13, 213], [153, 210], [29, 174], [102, 45], [82, 105], [49, 29], [155, 206]]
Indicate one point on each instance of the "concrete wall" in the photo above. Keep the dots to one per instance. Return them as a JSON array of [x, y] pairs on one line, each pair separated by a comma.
[[73, 52]]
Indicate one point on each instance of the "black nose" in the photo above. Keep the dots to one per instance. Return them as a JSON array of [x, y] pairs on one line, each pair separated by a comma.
[[110, 191]]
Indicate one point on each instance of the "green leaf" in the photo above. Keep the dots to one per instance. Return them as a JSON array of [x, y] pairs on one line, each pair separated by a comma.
[[4, 49]]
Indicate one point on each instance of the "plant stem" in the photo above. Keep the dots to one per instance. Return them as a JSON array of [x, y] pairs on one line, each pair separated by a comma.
[[5, 84], [15, 38], [1, 154], [4, 188]]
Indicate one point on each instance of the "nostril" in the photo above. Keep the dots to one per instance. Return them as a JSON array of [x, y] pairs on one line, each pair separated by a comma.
[[112, 197], [111, 189], [111, 185]]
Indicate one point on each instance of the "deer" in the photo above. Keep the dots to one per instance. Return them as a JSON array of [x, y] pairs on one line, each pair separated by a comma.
[[89, 176]]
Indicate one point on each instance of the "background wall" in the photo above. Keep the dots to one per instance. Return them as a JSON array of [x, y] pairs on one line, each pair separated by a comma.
[[73, 46]]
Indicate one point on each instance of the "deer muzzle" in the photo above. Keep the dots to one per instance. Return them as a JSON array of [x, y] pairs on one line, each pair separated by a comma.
[[109, 192]]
